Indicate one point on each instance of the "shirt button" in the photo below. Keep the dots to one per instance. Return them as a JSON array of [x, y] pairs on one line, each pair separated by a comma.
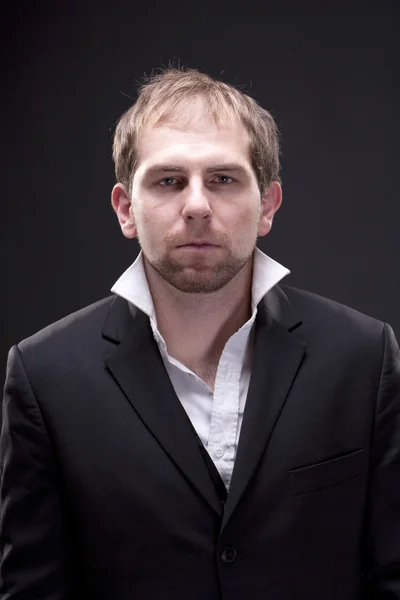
[[219, 452], [228, 555]]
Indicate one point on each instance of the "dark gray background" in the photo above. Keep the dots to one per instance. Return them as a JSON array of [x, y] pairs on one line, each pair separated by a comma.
[[328, 72]]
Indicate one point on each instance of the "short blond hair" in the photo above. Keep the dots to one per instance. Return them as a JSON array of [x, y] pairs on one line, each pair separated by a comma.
[[162, 97]]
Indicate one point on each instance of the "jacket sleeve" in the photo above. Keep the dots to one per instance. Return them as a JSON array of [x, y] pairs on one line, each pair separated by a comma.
[[34, 553], [381, 544]]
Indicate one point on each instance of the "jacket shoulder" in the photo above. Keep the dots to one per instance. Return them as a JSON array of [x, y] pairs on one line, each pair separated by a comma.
[[76, 326], [327, 313]]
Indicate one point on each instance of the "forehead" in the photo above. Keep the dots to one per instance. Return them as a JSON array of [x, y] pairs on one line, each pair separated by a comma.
[[198, 143]]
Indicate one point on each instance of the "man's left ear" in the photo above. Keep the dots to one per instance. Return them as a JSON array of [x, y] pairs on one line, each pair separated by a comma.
[[270, 203]]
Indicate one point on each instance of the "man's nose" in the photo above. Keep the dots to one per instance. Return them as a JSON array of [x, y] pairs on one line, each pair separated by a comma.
[[196, 203]]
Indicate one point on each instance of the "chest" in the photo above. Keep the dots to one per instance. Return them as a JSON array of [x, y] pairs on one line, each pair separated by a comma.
[[206, 371]]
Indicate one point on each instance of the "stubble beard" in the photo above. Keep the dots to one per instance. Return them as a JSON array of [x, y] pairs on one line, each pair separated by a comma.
[[199, 280]]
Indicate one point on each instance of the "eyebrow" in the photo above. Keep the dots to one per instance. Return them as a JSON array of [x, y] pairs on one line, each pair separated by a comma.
[[226, 168]]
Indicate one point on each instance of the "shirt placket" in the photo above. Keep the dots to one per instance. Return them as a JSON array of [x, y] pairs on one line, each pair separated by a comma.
[[225, 412]]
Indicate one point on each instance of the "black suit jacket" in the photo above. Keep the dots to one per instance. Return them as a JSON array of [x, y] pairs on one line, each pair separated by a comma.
[[104, 493]]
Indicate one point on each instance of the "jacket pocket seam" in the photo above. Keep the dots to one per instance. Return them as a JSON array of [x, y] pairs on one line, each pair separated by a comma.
[[323, 487], [325, 474]]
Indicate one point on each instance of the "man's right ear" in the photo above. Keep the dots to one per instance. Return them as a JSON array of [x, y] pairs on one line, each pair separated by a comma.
[[122, 205]]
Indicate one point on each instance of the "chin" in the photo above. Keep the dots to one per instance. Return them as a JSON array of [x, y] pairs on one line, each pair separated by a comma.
[[197, 287]]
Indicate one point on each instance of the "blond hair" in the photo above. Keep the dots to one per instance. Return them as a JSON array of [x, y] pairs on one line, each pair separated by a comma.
[[162, 97]]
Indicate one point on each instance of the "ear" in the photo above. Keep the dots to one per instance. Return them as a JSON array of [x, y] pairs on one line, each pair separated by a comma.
[[122, 205], [270, 203]]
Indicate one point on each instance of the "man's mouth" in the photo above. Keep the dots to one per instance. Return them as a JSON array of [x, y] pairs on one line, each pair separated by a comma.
[[199, 244]]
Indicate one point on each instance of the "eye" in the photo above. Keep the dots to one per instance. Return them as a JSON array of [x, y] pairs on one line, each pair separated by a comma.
[[168, 181], [224, 179]]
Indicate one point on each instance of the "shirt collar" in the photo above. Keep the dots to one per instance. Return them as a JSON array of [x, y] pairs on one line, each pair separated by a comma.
[[133, 286], [266, 274]]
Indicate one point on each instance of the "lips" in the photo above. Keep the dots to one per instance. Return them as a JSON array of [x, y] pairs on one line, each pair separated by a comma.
[[197, 244]]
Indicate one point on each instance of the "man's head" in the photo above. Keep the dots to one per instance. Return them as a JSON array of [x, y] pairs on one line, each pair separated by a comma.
[[197, 163]]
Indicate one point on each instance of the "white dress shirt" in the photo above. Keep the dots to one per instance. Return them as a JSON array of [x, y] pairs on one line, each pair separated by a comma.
[[217, 416]]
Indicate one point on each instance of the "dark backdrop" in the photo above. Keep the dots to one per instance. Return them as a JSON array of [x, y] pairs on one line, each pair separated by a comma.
[[328, 71]]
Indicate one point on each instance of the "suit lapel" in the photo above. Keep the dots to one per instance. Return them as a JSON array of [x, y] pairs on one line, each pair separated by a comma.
[[276, 359], [138, 368]]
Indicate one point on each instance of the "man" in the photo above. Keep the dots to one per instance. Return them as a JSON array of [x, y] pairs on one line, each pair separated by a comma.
[[204, 433]]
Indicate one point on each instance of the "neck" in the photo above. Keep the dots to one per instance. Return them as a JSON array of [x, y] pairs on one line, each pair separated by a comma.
[[196, 327]]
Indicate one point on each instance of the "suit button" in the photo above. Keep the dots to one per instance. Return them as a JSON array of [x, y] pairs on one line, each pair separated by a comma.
[[228, 555]]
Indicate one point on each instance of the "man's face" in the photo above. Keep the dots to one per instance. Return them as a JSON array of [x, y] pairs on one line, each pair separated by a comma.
[[196, 206]]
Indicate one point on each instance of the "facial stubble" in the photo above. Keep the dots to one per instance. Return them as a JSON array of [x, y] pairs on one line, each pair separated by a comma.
[[199, 279]]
